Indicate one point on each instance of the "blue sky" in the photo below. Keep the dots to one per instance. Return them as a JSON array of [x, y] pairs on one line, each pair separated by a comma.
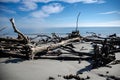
[[39, 14]]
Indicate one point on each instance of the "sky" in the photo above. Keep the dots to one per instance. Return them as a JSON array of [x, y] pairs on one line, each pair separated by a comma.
[[39, 14]]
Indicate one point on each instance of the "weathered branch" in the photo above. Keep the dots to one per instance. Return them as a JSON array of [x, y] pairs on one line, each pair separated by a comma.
[[17, 31]]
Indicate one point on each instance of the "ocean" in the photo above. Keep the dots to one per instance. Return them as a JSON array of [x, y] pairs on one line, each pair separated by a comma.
[[84, 30], [64, 30]]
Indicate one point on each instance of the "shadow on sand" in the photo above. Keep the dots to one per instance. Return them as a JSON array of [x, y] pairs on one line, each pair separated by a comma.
[[87, 68], [16, 60]]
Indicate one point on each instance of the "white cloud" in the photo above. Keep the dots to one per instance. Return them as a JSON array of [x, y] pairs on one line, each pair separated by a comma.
[[71, 1], [14, 1], [47, 10], [84, 1], [42, 1], [111, 12], [5, 9], [39, 14], [28, 5], [32, 4], [52, 8], [93, 1]]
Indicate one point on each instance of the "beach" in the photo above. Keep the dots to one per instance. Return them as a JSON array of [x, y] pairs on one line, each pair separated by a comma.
[[59, 40], [51, 69]]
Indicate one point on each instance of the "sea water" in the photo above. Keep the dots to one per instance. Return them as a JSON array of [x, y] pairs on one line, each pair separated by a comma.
[[85, 30], [65, 30]]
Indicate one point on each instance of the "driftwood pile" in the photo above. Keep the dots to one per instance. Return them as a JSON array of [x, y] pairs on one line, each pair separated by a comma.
[[25, 46], [104, 48]]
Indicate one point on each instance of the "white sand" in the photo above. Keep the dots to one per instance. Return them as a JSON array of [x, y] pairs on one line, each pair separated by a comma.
[[42, 69], [38, 69]]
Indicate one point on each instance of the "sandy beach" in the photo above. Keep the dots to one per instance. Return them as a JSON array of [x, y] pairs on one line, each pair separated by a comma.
[[48, 69], [59, 39]]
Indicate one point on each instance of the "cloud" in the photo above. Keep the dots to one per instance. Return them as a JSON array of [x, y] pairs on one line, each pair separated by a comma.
[[28, 5], [42, 1], [5, 9], [111, 12], [52, 8], [39, 14], [84, 1], [32, 4], [6, 1], [93, 1], [47, 10]]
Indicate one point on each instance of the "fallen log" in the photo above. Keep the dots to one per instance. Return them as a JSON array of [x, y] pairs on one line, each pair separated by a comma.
[[37, 49]]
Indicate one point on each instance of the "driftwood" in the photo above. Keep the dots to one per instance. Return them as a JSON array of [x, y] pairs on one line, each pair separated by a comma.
[[23, 45], [105, 54], [111, 41], [12, 40], [36, 49], [25, 39]]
